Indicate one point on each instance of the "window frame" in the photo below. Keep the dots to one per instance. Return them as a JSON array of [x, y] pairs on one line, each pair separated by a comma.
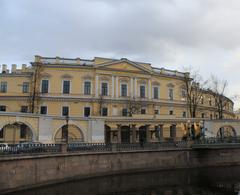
[[84, 111], [158, 89], [3, 87], [171, 97], [42, 85], [124, 112], [121, 90], [106, 109], [140, 94], [68, 111], [143, 109], [24, 87], [104, 82], [69, 92], [85, 81], [3, 106], [24, 106], [41, 110]]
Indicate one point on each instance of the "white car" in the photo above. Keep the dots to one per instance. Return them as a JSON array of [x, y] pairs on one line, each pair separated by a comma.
[[4, 146]]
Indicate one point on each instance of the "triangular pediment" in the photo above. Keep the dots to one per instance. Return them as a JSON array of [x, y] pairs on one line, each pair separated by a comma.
[[124, 65]]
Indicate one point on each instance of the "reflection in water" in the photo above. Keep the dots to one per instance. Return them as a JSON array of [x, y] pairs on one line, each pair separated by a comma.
[[205, 181]]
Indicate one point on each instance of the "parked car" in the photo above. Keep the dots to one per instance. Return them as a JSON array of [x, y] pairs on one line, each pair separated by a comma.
[[31, 147]]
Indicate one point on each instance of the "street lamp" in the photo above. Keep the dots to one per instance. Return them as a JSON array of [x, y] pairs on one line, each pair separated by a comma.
[[65, 130], [188, 128], [202, 127]]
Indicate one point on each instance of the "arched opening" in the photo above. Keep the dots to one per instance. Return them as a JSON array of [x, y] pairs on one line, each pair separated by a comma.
[[107, 134], [143, 133], [125, 134], [16, 133], [226, 132], [74, 134]]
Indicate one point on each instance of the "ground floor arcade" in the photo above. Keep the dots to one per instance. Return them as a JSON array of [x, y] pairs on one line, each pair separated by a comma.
[[16, 128]]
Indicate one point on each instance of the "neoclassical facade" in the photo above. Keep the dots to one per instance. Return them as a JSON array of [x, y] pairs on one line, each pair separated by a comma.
[[106, 100]]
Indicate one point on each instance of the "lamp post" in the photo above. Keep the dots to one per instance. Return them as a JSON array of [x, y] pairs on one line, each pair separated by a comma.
[[203, 128], [65, 130], [188, 128]]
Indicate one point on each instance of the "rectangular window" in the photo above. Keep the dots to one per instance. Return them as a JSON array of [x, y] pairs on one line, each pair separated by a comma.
[[3, 88], [184, 93], [210, 102], [65, 111], [45, 86], [124, 90], [104, 111], [170, 94], [43, 110], [143, 111], [155, 92], [105, 89], [23, 132], [66, 87], [25, 87], [87, 88], [3, 108], [124, 112], [156, 111], [203, 115], [142, 91], [184, 115], [24, 109], [170, 112], [87, 111]]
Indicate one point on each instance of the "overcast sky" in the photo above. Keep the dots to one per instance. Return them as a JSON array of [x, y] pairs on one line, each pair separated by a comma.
[[204, 34]]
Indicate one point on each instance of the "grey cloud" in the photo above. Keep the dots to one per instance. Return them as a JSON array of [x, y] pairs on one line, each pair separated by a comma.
[[170, 33]]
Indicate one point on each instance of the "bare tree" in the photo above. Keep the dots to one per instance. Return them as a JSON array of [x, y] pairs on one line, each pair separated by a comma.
[[194, 89], [218, 88]]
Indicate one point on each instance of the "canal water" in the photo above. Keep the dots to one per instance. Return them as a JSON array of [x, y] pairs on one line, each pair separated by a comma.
[[204, 181]]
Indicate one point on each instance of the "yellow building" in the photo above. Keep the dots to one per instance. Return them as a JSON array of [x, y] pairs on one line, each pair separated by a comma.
[[106, 100]]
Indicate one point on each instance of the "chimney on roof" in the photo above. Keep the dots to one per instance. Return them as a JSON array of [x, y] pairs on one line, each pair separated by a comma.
[[37, 58], [78, 60], [57, 59], [4, 68], [24, 66], [14, 68]]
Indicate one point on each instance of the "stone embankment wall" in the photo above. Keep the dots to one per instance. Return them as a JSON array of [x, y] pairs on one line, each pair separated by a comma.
[[32, 171]]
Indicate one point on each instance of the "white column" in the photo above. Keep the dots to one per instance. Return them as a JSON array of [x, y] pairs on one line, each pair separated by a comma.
[[96, 86], [131, 92], [113, 86], [149, 89], [135, 87], [116, 86]]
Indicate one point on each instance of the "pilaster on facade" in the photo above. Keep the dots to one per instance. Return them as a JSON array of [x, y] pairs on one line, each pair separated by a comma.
[[96, 85], [131, 87], [135, 87], [116, 87], [113, 88], [149, 89]]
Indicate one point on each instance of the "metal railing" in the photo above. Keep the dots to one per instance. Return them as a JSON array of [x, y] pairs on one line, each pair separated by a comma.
[[39, 148], [29, 148], [216, 140], [96, 147]]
